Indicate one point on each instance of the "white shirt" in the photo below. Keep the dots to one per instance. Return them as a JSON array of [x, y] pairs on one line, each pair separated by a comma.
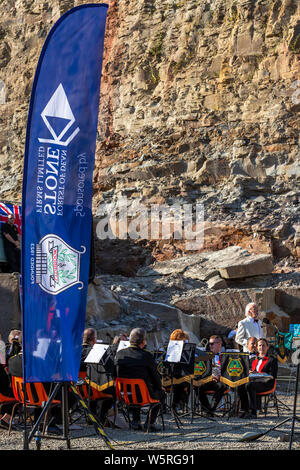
[[256, 324]]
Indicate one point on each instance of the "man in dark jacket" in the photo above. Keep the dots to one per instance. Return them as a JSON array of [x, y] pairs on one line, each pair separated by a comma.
[[136, 362], [88, 341], [11, 243]]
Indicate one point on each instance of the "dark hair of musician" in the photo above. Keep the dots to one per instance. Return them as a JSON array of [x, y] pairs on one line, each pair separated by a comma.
[[89, 334], [178, 335], [263, 339], [137, 336], [120, 337]]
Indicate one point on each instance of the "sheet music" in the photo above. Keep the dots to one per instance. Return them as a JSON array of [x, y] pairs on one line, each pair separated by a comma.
[[96, 353], [174, 351], [123, 345], [42, 348]]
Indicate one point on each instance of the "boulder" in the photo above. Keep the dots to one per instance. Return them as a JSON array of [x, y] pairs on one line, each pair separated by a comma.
[[232, 262], [247, 266], [216, 282], [102, 304]]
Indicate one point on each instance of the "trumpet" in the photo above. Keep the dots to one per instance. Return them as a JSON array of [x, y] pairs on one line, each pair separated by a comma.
[[203, 343]]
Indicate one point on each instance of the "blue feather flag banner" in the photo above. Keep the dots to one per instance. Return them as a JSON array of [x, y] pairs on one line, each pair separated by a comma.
[[57, 194]]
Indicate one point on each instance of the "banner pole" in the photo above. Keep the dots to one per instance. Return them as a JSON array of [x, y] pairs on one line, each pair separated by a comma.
[[44, 411], [25, 433], [65, 413], [294, 418]]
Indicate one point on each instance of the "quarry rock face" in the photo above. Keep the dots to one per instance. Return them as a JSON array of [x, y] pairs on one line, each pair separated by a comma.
[[199, 106]]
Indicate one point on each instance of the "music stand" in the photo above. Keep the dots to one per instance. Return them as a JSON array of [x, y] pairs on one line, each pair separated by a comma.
[[100, 355], [182, 354]]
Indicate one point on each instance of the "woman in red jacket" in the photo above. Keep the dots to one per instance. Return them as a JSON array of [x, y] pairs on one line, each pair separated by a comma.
[[262, 364]]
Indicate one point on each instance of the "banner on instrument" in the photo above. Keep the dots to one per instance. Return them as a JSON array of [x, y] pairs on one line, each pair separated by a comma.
[[57, 194], [234, 369], [281, 346], [203, 369]]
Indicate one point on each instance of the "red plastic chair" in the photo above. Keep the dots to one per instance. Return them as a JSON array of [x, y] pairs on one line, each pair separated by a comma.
[[134, 392]]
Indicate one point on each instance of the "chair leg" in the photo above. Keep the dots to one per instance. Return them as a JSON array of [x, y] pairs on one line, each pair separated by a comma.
[[276, 404], [162, 416], [266, 402], [12, 417]]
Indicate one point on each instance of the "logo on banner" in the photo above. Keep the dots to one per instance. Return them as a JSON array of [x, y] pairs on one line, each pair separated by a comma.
[[59, 118], [200, 368], [235, 367], [57, 265]]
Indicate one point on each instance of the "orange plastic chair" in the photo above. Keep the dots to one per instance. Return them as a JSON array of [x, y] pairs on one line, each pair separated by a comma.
[[90, 393], [87, 392], [6, 401], [36, 397], [134, 392], [268, 395]]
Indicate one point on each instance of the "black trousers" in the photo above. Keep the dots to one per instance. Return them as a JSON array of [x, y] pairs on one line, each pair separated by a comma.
[[219, 389], [248, 394], [181, 393], [136, 410], [13, 256], [6, 390]]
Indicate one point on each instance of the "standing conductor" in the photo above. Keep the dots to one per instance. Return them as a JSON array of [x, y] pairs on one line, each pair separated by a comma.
[[250, 326]]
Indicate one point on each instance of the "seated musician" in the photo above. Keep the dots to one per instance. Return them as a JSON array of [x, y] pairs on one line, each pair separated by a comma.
[[262, 364], [116, 341], [136, 362], [6, 390], [252, 348], [13, 346], [181, 387], [215, 346], [88, 341], [98, 377], [15, 369]]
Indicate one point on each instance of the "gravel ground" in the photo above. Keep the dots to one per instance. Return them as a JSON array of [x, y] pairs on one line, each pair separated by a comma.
[[200, 435]]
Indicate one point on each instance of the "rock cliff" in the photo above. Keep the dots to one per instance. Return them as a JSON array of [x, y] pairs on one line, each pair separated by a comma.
[[199, 105]]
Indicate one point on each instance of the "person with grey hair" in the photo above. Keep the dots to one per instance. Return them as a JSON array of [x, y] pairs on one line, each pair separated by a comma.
[[136, 362], [250, 326]]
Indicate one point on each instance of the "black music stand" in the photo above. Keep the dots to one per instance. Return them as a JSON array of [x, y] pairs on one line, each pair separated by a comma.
[[102, 359], [186, 361]]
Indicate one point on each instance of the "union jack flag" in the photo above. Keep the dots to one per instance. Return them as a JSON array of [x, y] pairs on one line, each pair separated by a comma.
[[6, 209]]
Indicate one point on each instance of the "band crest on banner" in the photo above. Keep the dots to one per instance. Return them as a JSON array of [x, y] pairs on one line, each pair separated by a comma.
[[235, 367], [57, 265], [200, 368]]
